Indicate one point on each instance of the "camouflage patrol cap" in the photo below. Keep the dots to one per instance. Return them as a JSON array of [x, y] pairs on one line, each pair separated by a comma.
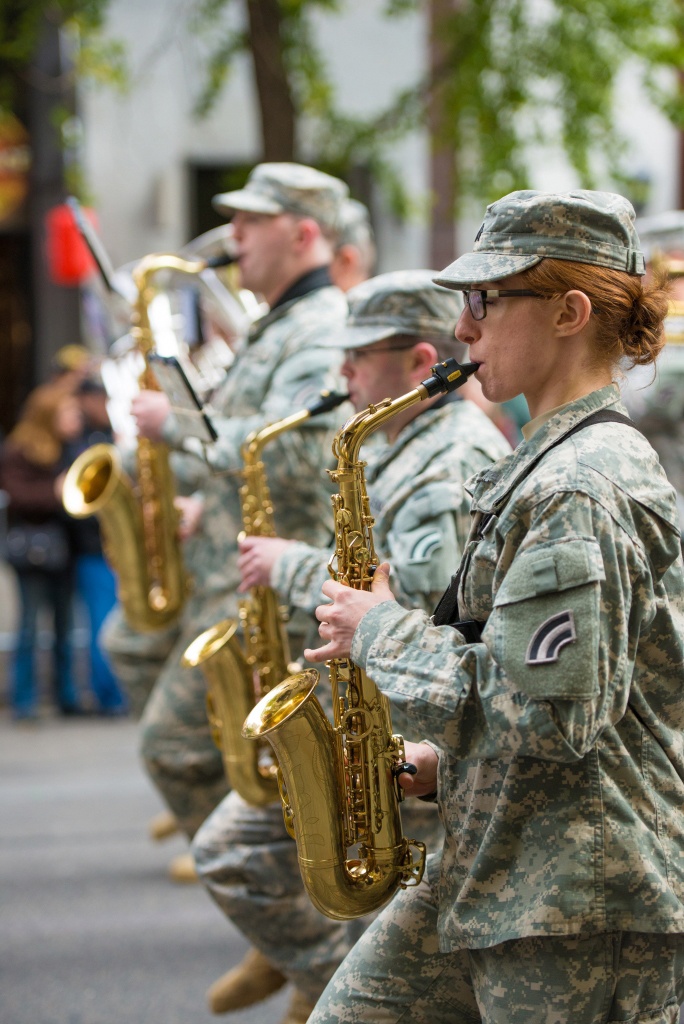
[[287, 188], [524, 227], [401, 302], [354, 226]]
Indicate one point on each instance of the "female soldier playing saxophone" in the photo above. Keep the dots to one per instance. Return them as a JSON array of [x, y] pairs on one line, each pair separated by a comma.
[[550, 680]]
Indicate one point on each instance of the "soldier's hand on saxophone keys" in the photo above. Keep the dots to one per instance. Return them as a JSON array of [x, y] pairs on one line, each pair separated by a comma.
[[424, 759], [190, 516], [150, 410], [339, 619], [257, 557]]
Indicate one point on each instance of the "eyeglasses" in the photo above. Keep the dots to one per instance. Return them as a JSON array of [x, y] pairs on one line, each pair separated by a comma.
[[477, 300], [353, 355]]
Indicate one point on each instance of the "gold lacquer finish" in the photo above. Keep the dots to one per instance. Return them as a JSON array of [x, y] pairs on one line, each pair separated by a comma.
[[338, 786], [239, 673], [139, 521]]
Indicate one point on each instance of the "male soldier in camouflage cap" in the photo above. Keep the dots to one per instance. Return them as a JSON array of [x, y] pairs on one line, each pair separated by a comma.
[[354, 257], [398, 326], [284, 222]]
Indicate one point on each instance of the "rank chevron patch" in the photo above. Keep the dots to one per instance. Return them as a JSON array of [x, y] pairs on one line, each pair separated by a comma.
[[554, 633]]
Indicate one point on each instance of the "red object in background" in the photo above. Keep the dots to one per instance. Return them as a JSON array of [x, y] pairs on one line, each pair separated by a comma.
[[68, 256]]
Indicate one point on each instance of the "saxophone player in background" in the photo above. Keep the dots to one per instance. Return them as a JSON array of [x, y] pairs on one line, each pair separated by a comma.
[[399, 325], [284, 222], [548, 685], [140, 657]]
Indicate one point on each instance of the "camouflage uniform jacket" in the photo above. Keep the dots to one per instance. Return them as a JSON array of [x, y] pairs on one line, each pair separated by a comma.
[[280, 369], [420, 506], [561, 775]]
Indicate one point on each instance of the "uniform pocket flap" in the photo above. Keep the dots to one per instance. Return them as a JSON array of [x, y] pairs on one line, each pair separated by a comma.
[[551, 568]]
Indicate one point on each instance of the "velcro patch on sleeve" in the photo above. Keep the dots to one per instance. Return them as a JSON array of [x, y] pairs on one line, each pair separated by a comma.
[[545, 625]]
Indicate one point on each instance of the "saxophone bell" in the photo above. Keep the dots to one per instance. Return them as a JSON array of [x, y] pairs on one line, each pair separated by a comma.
[[240, 670], [339, 782], [96, 484]]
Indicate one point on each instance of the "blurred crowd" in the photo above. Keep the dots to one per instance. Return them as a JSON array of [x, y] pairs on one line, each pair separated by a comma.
[[58, 561]]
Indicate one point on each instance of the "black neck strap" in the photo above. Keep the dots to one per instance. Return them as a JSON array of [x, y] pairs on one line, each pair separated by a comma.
[[446, 613]]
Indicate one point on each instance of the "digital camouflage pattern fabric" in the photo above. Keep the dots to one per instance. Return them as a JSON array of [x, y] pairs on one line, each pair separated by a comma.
[[401, 302], [244, 855], [275, 188], [282, 368], [353, 225], [526, 226], [396, 973], [562, 753], [419, 502]]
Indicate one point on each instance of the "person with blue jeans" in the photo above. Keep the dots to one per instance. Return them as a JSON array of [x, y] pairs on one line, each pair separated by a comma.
[[38, 545], [95, 581]]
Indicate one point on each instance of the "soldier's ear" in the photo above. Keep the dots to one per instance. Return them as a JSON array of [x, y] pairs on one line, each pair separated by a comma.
[[308, 232], [424, 356], [573, 312]]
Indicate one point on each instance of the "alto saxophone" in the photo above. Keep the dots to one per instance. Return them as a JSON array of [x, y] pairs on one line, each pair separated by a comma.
[[138, 521], [239, 673], [339, 782]]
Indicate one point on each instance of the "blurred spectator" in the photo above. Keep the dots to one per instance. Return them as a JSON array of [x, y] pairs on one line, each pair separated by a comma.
[[95, 581], [38, 546], [71, 362]]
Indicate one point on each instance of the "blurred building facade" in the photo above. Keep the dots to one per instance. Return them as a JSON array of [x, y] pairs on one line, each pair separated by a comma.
[[151, 166]]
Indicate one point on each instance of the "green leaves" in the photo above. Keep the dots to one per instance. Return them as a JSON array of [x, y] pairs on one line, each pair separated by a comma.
[[508, 82], [21, 26]]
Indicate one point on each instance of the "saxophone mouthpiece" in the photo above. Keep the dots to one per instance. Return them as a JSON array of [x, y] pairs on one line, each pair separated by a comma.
[[328, 400], [448, 376], [224, 260]]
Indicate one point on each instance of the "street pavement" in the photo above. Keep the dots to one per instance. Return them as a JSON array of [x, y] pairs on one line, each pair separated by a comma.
[[91, 929]]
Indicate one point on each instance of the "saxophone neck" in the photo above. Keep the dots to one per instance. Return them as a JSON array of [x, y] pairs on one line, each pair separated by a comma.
[[143, 274], [445, 377], [258, 439]]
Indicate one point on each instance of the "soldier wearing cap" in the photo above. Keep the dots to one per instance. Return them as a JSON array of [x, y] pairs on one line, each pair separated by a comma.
[[284, 223], [354, 256], [549, 684], [399, 325]]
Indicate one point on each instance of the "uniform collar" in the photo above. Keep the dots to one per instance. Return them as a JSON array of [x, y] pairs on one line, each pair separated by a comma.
[[310, 282], [496, 483], [424, 421]]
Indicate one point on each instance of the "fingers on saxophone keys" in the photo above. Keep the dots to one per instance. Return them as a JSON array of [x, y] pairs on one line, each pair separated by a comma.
[[323, 612], [320, 654], [325, 631]]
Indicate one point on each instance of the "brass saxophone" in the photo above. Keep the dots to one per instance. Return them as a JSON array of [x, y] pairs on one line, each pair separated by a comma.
[[138, 521], [339, 782], [239, 673]]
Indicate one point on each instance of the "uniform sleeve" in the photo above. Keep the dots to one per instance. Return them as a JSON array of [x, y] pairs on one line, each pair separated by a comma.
[[296, 383], [557, 652], [190, 472], [425, 542], [422, 545], [299, 575]]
